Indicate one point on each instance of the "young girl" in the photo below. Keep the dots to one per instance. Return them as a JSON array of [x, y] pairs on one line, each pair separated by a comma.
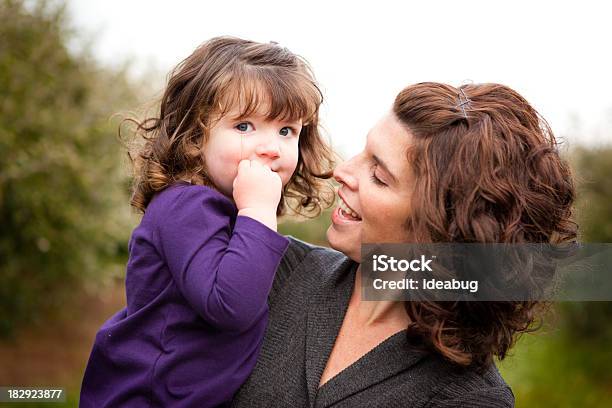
[[236, 140]]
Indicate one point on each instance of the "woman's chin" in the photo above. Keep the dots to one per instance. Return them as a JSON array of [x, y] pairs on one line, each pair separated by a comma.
[[345, 240]]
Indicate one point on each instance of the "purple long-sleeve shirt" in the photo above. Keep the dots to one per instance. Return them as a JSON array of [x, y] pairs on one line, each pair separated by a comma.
[[197, 283]]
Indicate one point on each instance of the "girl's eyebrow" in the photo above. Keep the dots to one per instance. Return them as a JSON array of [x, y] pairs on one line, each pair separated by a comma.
[[290, 121], [259, 117]]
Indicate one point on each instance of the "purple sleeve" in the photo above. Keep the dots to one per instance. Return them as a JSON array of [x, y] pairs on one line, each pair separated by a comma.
[[225, 276]]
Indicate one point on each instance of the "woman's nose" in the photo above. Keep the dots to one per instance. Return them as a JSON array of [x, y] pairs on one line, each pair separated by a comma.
[[344, 174]]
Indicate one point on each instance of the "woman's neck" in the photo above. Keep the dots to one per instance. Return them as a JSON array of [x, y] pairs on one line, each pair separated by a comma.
[[380, 312]]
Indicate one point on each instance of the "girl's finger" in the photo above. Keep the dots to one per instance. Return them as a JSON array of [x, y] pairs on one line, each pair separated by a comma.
[[244, 164]]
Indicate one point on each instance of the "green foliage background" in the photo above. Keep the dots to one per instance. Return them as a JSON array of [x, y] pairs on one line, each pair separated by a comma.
[[567, 363], [62, 180]]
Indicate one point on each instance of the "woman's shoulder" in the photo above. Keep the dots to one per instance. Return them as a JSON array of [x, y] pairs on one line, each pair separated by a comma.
[[473, 388], [318, 259], [308, 264], [299, 251]]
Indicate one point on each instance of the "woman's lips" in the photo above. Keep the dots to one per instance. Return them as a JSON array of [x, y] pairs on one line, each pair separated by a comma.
[[343, 214], [342, 218], [348, 210]]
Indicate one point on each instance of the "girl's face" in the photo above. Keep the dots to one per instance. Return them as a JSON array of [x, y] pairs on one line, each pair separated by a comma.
[[273, 143], [374, 191]]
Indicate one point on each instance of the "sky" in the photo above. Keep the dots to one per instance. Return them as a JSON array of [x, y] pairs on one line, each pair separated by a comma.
[[556, 54]]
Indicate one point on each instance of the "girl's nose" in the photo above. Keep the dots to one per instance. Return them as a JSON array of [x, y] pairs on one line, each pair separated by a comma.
[[268, 148], [344, 174]]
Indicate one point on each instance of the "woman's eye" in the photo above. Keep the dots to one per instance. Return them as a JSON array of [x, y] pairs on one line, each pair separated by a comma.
[[375, 179], [244, 127], [378, 181], [286, 131]]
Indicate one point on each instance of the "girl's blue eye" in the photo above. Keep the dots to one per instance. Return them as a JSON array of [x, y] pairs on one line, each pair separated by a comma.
[[286, 131], [244, 127]]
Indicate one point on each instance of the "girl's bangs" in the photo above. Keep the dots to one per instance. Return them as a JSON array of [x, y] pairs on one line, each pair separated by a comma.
[[271, 95]]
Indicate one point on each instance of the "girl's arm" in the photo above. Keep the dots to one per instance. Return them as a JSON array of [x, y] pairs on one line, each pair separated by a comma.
[[225, 275]]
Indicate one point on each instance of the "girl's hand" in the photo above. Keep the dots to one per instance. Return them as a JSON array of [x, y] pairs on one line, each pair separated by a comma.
[[257, 191]]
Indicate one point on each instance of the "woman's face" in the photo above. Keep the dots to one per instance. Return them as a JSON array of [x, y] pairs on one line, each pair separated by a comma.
[[374, 191]]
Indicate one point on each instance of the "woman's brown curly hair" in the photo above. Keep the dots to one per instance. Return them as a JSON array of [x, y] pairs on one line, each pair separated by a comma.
[[221, 74], [486, 170]]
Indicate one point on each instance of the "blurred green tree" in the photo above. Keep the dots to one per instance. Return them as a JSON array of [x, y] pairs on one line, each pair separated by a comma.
[[63, 184], [568, 363], [591, 322], [593, 168]]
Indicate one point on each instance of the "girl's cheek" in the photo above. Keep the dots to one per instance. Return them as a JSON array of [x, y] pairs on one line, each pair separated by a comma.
[[233, 153], [294, 152], [291, 168]]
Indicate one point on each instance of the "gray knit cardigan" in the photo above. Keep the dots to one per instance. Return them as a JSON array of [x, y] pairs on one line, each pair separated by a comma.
[[307, 303]]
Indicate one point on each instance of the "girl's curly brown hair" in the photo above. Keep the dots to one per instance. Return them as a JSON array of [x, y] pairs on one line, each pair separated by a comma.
[[486, 170], [221, 74]]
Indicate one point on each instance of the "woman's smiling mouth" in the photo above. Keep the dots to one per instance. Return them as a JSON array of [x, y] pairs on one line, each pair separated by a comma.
[[344, 213]]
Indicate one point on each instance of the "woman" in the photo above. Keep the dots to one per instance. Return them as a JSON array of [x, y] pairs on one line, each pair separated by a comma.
[[474, 164]]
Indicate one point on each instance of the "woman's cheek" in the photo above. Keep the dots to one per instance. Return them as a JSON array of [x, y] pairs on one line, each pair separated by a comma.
[[379, 221]]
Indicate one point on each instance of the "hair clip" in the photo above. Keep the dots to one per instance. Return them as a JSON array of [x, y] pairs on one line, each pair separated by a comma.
[[463, 102]]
